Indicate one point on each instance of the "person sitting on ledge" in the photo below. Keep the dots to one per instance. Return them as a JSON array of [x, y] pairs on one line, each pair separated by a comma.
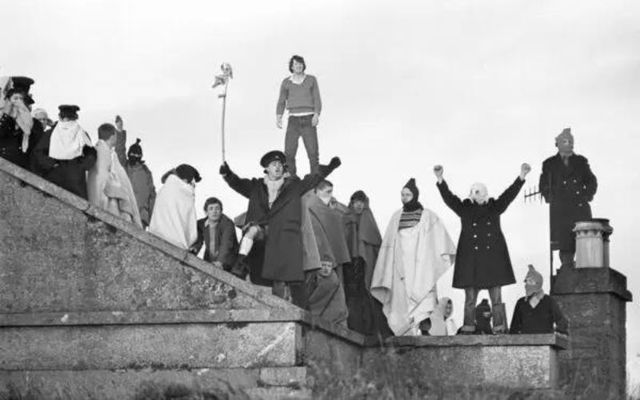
[[440, 322], [218, 234], [537, 312]]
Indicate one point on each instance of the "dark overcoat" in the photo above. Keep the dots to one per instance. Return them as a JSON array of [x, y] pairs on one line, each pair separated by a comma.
[[279, 257], [226, 239], [568, 189], [482, 258], [11, 141], [68, 174]]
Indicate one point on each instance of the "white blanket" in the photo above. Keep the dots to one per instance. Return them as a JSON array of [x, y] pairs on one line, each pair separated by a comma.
[[67, 141], [174, 213], [409, 265]]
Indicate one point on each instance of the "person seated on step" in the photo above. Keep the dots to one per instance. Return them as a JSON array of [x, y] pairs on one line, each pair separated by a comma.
[[440, 322], [174, 214], [218, 234], [108, 185], [537, 312], [325, 253], [271, 246], [482, 259], [416, 251], [65, 154]]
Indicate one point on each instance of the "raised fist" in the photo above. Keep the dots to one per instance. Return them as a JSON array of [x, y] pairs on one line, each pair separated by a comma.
[[224, 169], [335, 163], [438, 171], [525, 169]]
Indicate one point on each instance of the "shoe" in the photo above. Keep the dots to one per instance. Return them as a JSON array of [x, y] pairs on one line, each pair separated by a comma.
[[240, 268]]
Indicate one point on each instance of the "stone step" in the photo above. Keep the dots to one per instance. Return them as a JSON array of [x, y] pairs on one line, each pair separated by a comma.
[[279, 393], [232, 383]]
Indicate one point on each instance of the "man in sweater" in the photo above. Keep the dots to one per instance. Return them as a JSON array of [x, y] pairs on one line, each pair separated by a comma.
[[300, 95]]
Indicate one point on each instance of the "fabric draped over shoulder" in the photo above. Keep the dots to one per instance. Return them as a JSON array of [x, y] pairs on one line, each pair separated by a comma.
[[174, 214], [409, 265]]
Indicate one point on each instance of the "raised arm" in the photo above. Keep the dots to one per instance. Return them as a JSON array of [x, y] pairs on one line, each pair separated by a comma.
[[512, 191], [450, 199], [240, 185], [312, 180]]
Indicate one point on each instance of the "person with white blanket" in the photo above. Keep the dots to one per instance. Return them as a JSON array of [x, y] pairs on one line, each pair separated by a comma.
[[174, 213], [108, 185], [416, 251], [64, 155]]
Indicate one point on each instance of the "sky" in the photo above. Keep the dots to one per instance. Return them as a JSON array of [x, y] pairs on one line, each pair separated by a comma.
[[479, 87]]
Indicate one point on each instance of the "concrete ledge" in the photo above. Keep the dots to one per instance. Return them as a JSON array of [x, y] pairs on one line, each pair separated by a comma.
[[552, 339]]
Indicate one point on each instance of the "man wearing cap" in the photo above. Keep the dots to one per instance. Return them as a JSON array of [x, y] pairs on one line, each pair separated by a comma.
[[174, 215], [272, 244], [482, 259], [141, 181], [65, 154], [19, 131], [416, 251], [568, 185], [537, 312]]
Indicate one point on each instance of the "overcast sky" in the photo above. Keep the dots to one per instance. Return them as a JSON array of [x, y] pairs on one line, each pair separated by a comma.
[[479, 87]]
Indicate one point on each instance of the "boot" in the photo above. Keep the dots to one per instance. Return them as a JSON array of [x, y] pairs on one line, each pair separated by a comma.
[[240, 268], [500, 319]]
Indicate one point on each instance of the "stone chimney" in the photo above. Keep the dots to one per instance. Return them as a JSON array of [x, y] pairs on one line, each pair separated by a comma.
[[593, 297]]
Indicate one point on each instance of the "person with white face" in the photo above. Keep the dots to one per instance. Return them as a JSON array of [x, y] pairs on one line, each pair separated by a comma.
[[300, 96], [218, 234], [271, 247], [482, 258], [19, 131], [568, 185], [416, 251], [440, 322]]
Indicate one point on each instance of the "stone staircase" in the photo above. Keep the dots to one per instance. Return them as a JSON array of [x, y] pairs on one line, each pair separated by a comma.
[[93, 307]]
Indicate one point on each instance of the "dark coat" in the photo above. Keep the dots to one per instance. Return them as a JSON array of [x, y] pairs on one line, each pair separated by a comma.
[[68, 174], [540, 319], [482, 259], [279, 257], [226, 240], [11, 141], [568, 189]]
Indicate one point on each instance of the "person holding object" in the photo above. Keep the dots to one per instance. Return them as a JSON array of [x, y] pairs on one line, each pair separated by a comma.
[[271, 248], [300, 95], [537, 312], [482, 259], [568, 185]]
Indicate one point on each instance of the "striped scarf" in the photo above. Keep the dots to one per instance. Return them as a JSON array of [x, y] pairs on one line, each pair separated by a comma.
[[409, 219]]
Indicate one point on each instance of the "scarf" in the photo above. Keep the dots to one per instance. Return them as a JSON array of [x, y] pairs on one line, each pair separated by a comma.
[[67, 141], [273, 188], [21, 114]]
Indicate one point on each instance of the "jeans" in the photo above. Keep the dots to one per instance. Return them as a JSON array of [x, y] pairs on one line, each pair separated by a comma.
[[301, 126], [470, 299]]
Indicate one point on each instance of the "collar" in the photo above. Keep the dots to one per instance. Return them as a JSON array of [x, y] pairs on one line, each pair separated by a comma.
[[207, 222]]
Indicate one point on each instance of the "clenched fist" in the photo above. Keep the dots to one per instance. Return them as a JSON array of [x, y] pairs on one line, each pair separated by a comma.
[[524, 170]]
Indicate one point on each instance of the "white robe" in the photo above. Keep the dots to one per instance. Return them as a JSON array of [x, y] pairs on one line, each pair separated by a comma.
[[108, 185], [174, 213], [409, 265]]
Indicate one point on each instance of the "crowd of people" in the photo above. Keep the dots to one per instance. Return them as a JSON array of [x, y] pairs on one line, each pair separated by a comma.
[[296, 238]]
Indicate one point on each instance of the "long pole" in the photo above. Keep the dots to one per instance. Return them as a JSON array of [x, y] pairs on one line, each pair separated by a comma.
[[223, 95]]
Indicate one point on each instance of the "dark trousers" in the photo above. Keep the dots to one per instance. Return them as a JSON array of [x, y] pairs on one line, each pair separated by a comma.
[[470, 299], [301, 126]]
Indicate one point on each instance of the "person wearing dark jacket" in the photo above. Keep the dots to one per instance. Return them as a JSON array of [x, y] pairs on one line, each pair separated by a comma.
[[141, 181], [537, 312], [482, 258], [271, 248], [19, 131], [568, 185], [65, 154], [218, 234]]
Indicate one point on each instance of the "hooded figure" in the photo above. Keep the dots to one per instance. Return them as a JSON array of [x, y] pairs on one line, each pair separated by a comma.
[[568, 185], [65, 154], [416, 251], [108, 185], [537, 312], [440, 322], [142, 182], [483, 318], [271, 249], [482, 260], [174, 216]]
